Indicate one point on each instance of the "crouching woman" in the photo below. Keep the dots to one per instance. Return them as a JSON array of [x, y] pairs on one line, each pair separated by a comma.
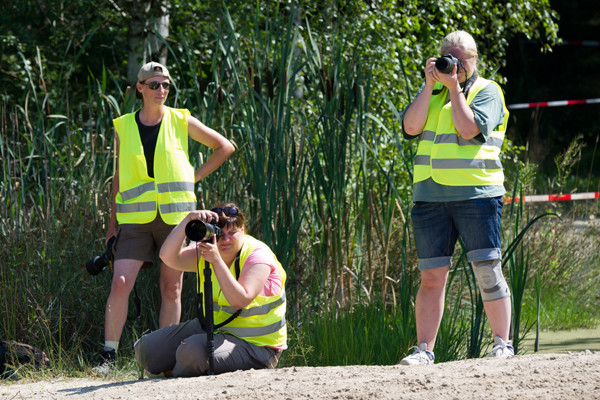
[[245, 276]]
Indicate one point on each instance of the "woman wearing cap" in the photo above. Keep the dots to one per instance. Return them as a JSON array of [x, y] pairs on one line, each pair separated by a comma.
[[246, 276], [153, 190]]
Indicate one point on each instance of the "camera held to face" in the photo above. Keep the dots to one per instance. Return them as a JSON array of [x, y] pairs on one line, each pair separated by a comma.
[[200, 231], [446, 63], [99, 263]]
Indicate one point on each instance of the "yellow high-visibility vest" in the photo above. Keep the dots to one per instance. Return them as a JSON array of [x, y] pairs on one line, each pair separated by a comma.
[[262, 322], [451, 160], [171, 191]]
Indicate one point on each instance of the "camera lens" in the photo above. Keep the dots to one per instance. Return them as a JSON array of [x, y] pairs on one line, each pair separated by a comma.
[[96, 265], [200, 231], [99, 263], [444, 64]]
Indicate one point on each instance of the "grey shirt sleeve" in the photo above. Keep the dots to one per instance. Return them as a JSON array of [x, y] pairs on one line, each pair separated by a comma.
[[488, 109]]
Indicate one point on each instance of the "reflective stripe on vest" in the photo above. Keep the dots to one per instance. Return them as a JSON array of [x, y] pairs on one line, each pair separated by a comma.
[[171, 191], [175, 187], [137, 191], [453, 163], [465, 164], [451, 160], [136, 207], [454, 139], [256, 331], [250, 312], [177, 207]]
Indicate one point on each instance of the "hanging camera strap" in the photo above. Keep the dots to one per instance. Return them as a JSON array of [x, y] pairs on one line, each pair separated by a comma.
[[206, 316], [203, 299], [469, 83]]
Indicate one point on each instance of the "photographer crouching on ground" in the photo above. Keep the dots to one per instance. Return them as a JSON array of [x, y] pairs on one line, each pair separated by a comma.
[[248, 296]]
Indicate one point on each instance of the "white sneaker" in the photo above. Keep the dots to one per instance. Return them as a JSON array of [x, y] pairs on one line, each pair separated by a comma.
[[421, 356], [501, 348]]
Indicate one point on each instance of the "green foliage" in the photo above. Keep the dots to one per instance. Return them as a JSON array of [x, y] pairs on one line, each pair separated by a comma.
[[567, 263], [395, 37]]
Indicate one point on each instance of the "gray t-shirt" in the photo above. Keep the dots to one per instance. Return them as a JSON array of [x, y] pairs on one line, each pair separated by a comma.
[[489, 113]]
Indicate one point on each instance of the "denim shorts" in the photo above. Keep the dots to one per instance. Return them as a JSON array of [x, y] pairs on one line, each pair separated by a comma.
[[437, 226]]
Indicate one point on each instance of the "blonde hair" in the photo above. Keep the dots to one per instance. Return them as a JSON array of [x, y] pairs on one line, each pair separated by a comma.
[[460, 39]]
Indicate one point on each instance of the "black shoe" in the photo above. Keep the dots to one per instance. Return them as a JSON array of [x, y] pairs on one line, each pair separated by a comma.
[[106, 361]]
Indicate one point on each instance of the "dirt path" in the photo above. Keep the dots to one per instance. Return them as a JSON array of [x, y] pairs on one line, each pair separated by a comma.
[[537, 376]]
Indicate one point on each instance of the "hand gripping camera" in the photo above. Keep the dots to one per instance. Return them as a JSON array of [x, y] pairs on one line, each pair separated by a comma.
[[446, 63], [200, 231], [99, 263]]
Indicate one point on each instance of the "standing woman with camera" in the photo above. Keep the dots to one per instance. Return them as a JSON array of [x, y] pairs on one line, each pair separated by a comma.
[[460, 120], [153, 190], [248, 284]]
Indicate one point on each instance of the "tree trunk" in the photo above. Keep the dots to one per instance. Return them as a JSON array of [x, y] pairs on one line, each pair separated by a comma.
[[148, 18]]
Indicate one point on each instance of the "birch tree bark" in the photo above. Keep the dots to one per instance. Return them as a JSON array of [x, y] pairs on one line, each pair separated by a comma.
[[147, 20]]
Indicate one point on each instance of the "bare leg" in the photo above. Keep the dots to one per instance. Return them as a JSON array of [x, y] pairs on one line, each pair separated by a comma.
[[171, 282], [124, 276], [429, 304], [499, 315]]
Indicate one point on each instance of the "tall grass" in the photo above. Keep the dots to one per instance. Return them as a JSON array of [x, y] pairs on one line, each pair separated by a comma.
[[368, 334]]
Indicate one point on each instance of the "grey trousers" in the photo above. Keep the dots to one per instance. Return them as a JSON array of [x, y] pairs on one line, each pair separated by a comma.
[[182, 349]]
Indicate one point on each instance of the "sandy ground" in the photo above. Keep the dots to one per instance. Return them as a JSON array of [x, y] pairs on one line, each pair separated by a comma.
[[536, 376]]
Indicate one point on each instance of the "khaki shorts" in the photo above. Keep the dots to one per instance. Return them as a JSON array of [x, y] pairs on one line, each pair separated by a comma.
[[141, 241]]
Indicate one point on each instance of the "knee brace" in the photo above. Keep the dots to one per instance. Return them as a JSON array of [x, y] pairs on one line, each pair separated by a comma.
[[490, 279]]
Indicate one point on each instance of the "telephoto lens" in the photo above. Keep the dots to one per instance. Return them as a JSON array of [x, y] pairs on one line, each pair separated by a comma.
[[200, 231], [446, 62], [99, 263]]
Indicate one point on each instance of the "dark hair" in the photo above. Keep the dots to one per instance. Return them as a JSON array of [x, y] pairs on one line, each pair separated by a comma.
[[230, 221]]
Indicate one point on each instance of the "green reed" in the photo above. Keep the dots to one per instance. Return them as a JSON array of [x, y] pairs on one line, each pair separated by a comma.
[[367, 334]]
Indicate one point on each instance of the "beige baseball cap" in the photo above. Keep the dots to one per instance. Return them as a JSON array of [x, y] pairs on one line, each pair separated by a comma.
[[152, 69]]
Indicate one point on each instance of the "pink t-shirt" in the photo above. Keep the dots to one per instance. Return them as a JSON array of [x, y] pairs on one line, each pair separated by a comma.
[[262, 255]]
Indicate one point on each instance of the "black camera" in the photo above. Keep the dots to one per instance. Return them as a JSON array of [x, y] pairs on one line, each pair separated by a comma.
[[99, 263], [200, 231], [446, 62]]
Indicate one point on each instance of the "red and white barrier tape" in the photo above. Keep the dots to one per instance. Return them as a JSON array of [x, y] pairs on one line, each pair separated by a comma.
[[557, 103], [553, 197]]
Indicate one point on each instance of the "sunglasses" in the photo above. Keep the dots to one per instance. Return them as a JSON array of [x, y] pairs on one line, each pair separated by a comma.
[[156, 85], [228, 211]]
